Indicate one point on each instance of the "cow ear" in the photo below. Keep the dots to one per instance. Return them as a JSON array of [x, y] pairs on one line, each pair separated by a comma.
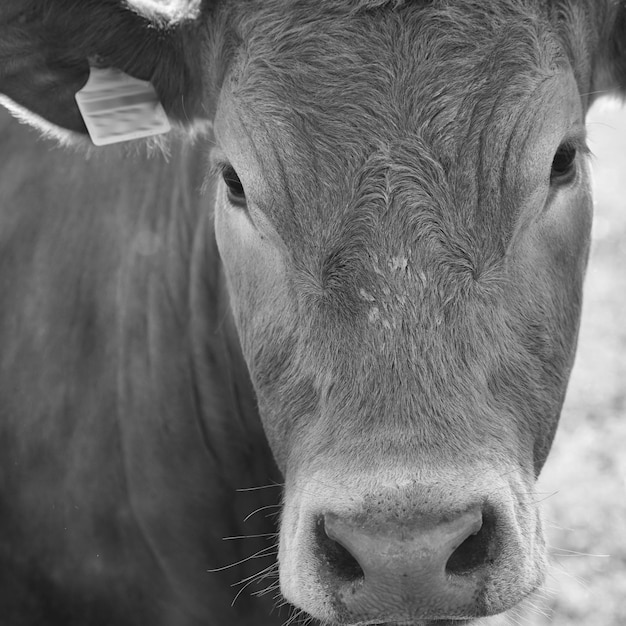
[[610, 70], [46, 45]]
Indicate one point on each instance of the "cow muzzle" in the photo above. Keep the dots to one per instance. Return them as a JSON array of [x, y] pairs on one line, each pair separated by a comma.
[[434, 551], [427, 566]]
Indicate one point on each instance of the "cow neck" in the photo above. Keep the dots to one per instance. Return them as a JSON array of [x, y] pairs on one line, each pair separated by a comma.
[[190, 431]]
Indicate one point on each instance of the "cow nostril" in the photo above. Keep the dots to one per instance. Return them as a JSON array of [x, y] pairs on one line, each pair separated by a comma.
[[474, 552], [337, 558]]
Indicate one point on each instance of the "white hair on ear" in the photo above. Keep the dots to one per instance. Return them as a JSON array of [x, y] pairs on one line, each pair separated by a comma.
[[63, 136], [166, 12], [201, 128]]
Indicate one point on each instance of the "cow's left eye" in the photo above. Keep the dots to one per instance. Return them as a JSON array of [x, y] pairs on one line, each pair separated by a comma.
[[234, 188], [563, 165]]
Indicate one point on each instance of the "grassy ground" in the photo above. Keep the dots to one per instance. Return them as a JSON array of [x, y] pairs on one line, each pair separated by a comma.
[[586, 472]]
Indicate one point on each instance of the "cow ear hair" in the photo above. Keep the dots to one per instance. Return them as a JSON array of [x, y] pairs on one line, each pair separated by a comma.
[[45, 46], [167, 12]]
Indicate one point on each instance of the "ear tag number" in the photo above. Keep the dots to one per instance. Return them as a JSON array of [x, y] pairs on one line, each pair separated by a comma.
[[117, 107]]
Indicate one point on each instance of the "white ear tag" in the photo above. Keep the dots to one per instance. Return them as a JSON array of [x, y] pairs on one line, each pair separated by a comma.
[[117, 107]]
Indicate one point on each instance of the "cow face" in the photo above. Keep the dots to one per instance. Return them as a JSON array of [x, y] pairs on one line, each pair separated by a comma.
[[404, 222], [403, 213]]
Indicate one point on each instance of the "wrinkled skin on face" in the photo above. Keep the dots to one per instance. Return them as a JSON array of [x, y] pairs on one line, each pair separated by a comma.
[[405, 271]]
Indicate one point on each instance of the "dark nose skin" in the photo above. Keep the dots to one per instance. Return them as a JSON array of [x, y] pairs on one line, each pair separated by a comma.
[[428, 568]]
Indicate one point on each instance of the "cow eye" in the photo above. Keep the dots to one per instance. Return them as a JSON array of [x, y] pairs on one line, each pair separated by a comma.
[[563, 165], [234, 188]]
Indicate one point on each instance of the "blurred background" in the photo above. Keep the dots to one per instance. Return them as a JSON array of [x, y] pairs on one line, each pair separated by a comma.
[[582, 489]]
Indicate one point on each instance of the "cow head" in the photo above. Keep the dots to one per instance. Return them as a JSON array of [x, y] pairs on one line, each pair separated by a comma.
[[403, 213]]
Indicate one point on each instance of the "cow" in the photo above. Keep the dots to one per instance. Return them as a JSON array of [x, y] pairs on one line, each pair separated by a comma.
[[309, 348]]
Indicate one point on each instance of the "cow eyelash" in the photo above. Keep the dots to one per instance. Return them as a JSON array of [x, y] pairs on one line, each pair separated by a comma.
[[234, 188]]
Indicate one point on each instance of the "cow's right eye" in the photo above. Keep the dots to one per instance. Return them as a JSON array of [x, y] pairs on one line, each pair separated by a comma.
[[234, 188]]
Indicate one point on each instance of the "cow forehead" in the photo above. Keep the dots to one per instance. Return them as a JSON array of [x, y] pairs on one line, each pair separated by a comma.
[[324, 76], [335, 99], [393, 141]]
